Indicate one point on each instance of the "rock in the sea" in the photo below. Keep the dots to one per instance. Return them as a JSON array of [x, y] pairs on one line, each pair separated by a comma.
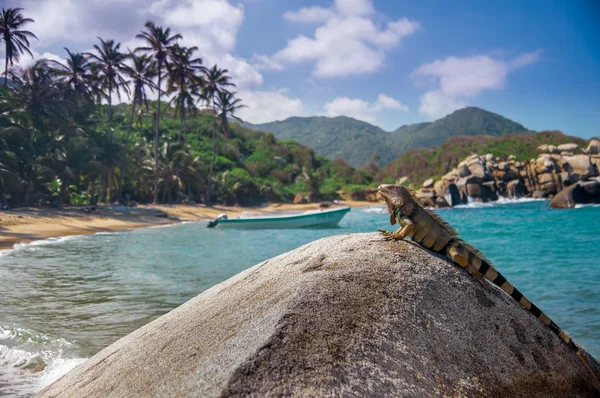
[[581, 192], [593, 147], [570, 147], [515, 189], [348, 315], [579, 167]]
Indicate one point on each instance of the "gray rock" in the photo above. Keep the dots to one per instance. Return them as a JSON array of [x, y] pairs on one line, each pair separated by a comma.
[[516, 189], [348, 315], [593, 147], [463, 170], [578, 193], [579, 167], [567, 147]]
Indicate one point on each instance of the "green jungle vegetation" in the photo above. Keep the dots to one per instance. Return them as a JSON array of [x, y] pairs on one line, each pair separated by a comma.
[[62, 139], [421, 164], [360, 142]]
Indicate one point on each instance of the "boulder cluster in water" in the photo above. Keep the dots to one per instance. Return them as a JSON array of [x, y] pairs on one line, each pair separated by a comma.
[[557, 173]]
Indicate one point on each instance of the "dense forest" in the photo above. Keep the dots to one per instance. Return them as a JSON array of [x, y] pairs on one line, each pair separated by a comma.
[[63, 140]]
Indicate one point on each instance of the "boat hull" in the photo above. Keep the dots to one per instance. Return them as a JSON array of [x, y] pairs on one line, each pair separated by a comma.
[[327, 218]]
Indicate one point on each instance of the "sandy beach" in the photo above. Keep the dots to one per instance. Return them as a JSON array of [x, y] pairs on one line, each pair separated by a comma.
[[29, 224]]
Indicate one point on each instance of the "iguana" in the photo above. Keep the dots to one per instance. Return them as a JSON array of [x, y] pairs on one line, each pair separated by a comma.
[[430, 231]]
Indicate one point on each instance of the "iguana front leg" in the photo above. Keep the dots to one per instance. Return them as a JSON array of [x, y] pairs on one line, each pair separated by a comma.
[[407, 229]]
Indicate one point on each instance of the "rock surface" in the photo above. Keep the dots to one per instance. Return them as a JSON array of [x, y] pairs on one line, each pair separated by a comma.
[[581, 192], [349, 315]]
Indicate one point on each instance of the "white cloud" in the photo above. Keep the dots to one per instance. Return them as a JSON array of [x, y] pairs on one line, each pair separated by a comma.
[[360, 109], [265, 62], [26, 60], [385, 102], [211, 25], [526, 59], [458, 79], [352, 107], [348, 43], [309, 14], [266, 106], [354, 7], [68, 22]]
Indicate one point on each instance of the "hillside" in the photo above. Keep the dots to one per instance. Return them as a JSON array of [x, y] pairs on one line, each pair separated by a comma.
[[466, 122], [421, 164], [339, 137], [358, 142]]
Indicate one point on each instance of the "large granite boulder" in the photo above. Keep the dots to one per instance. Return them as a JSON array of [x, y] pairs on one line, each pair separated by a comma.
[[579, 167], [593, 147], [516, 189], [570, 147], [581, 192], [349, 315]]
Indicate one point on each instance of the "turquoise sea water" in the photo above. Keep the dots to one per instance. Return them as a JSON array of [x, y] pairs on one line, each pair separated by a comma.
[[62, 300]]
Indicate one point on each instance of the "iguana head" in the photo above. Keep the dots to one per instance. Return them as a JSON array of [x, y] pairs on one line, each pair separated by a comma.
[[398, 199]]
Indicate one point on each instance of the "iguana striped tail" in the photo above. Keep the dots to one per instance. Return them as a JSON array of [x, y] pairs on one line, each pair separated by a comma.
[[477, 261]]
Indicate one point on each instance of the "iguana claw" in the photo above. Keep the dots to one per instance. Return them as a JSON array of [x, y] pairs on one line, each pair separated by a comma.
[[390, 236]]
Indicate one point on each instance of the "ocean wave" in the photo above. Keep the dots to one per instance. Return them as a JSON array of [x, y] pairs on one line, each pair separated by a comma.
[[43, 242], [374, 209], [584, 205], [31, 360], [474, 204], [174, 224]]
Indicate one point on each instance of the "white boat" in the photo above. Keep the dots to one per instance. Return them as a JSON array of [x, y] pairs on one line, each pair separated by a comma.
[[317, 218]]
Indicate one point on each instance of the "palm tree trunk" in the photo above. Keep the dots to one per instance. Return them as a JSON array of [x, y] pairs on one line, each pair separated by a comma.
[[6, 71], [212, 165], [166, 183], [181, 116], [121, 180], [109, 182], [156, 140]]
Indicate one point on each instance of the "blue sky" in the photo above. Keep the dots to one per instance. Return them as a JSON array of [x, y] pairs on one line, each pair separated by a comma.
[[386, 62]]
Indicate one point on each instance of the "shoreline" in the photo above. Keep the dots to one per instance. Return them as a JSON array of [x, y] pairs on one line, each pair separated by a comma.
[[25, 225]]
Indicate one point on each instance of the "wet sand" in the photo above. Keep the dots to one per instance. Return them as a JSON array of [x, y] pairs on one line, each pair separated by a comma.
[[29, 224]]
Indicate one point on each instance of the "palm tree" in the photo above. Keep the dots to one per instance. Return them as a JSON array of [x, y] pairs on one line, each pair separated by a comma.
[[312, 179], [16, 41], [76, 75], [184, 80], [141, 74], [225, 105], [108, 65], [38, 96], [216, 80], [159, 42], [176, 166]]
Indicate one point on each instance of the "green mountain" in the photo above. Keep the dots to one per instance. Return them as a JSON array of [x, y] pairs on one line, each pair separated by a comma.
[[340, 137], [358, 142]]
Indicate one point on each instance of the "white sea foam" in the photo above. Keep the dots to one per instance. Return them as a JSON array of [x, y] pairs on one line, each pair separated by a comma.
[[474, 204], [374, 209], [43, 242], [30, 361], [58, 368], [584, 205], [174, 224]]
